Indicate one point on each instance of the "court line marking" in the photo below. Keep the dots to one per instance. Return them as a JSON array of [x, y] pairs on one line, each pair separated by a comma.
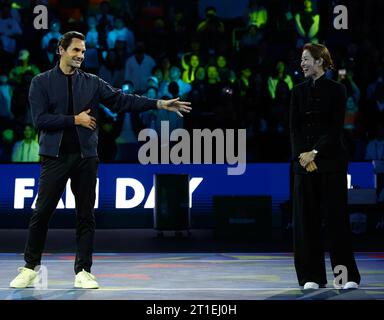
[[155, 260], [190, 289]]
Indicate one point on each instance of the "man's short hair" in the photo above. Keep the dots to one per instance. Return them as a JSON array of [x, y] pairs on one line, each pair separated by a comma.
[[66, 39]]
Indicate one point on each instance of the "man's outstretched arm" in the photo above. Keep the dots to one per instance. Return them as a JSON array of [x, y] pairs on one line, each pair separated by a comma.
[[118, 101]]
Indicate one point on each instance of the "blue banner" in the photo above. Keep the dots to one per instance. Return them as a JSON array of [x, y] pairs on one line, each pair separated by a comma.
[[127, 189]]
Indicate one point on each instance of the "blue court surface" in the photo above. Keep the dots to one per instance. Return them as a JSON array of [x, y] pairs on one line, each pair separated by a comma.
[[188, 276]]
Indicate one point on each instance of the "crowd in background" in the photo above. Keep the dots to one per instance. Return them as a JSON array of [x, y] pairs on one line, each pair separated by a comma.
[[236, 68]]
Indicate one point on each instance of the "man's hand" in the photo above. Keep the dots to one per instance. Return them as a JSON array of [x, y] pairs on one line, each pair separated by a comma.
[[174, 105], [306, 157], [311, 166], [85, 120]]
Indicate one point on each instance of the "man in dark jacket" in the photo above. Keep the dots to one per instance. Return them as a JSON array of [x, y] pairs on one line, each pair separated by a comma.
[[320, 163], [64, 102]]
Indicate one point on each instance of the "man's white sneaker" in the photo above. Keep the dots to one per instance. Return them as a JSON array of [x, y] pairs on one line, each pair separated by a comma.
[[25, 278], [86, 280], [350, 285], [311, 285]]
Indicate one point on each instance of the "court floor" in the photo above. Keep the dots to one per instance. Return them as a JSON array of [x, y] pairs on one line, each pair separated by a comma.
[[187, 276]]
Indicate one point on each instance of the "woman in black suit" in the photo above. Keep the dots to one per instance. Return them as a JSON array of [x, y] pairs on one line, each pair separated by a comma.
[[320, 163]]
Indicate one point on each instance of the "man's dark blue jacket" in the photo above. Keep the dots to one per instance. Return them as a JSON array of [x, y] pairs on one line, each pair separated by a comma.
[[48, 97]]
